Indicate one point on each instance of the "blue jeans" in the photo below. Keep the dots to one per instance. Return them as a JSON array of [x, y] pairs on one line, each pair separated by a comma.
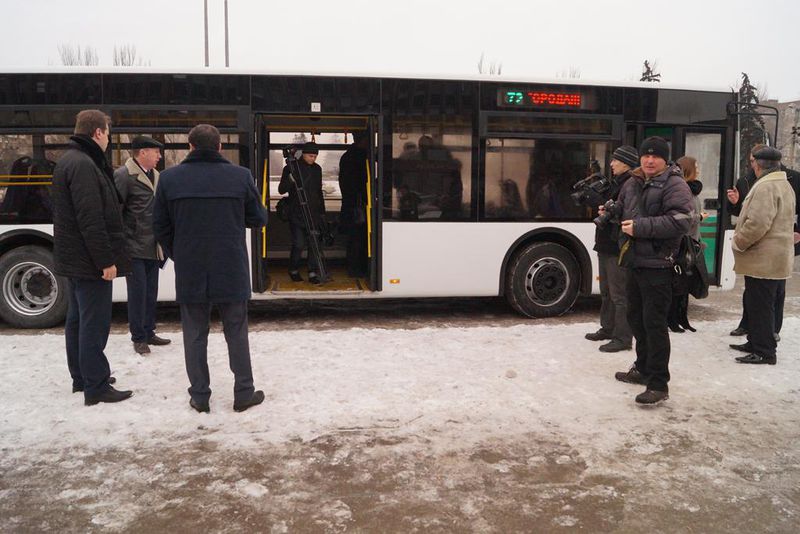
[[86, 333], [142, 294]]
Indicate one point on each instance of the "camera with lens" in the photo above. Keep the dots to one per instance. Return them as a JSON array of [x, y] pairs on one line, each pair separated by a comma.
[[290, 152], [611, 213], [592, 191]]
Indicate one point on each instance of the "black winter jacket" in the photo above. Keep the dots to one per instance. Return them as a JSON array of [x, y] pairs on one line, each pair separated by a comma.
[[312, 183], [660, 208], [201, 210], [606, 239], [138, 195], [353, 183], [87, 217]]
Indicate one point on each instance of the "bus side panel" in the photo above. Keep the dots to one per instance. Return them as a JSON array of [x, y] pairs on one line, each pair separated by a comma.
[[457, 259], [727, 278]]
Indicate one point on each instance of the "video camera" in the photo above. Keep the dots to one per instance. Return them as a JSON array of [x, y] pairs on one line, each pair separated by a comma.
[[592, 191], [291, 152]]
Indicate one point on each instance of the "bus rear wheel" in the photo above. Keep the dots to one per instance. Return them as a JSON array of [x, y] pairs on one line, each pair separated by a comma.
[[542, 280], [31, 295]]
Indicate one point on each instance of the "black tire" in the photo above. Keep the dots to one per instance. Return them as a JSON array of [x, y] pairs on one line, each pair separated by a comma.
[[542, 280], [31, 295]]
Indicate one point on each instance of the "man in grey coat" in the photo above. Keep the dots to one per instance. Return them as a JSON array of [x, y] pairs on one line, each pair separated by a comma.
[[202, 209], [136, 182]]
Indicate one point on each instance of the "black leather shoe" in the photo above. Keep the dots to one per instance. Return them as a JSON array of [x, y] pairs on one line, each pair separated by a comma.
[[256, 399], [739, 331], [600, 335], [141, 347], [756, 359], [314, 279], [295, 276], [155, 340], [614, 345], [76, 389], [632, 376], [744, 347], [200, 407], [109, 395], [652, 396]]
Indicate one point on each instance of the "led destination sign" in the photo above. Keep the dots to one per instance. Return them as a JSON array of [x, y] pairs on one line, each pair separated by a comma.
[[540, 99]]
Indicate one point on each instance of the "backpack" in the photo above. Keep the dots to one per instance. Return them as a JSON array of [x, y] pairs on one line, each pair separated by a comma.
[[690, 267]]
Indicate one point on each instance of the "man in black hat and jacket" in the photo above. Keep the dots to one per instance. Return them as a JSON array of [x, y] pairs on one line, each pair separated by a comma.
[[656, 212], [311, 178], [89, 250], [136, 182], [614, 307], [202, 209]]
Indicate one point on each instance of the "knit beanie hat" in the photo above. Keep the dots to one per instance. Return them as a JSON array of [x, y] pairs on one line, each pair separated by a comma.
[[656, 146], [627, 155]]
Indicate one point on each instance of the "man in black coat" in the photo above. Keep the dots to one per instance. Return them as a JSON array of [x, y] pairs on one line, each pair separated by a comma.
[[89, 250], [311, 178], [202, 209], [353, 218], [136, 182], [614, 306], [656, 212]]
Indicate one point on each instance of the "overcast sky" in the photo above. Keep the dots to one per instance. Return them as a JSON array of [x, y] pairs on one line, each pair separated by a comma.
[[694, 42]]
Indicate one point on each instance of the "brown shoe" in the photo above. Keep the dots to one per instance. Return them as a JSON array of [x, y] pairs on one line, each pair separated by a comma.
[[155, 340], [631, 376], [141, 347], [652, 396]]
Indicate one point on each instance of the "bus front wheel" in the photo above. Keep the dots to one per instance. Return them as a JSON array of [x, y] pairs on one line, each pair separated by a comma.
[[31, 295], [542, 280]]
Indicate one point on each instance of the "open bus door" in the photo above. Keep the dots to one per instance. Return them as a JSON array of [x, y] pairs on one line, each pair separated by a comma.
[[271, 245]]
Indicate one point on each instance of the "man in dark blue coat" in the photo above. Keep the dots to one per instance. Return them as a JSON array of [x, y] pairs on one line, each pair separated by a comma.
[[89, 250], [201, 210]]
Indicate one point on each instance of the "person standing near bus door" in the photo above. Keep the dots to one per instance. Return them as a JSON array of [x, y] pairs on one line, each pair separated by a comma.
[[614, 305], [89, 250], [311, 177], [202, 209], [136, 182], [763, 251], [656, 208], [353, 218]]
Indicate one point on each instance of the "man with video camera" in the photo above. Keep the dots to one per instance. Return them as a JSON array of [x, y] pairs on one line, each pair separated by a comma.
[[656, 207], [614, 307]]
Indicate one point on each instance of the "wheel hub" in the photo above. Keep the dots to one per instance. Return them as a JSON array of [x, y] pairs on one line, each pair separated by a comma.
[[546, 281], [30, 288]]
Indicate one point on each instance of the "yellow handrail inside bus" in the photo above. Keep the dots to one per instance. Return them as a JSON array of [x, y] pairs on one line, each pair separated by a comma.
[[264, 202], [369, 214]]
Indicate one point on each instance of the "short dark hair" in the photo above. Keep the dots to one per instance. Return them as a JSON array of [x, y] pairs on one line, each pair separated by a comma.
[[89, 120], [204, 136]]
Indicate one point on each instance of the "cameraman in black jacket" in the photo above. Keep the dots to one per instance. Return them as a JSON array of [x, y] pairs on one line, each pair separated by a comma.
[[614, 307]]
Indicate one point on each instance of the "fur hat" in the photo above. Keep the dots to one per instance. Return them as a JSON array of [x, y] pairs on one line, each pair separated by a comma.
[[655, 146]]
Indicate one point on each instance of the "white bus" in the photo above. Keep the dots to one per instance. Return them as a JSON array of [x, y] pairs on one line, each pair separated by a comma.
[[469, 183]]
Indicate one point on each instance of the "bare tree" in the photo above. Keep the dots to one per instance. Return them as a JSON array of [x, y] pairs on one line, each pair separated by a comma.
[[73, 55], [572, 72], [125, 56], [649, 73], [493, 66]]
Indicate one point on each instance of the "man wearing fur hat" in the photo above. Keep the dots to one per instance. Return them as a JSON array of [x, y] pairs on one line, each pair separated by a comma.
[[763, 250], [656, 212], [136, 182], [614, 307]]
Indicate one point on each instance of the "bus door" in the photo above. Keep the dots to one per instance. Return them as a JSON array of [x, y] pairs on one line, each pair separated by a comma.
[[342, 240], [710, 148]]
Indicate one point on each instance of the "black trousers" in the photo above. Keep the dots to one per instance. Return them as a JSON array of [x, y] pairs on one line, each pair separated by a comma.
[[649, 296], [760, 297], [301, 241], [142, 294], [194, 320], [86, 334], [780, 297], [357, 250]]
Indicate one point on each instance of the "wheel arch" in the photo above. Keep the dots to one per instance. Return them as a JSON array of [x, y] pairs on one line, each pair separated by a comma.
[[559, 237], [20, 238]]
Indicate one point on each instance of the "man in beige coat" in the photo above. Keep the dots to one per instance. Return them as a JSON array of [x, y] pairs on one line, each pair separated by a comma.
[[763, 250]]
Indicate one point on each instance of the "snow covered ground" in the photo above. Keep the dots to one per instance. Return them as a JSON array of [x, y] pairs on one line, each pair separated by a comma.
[[514, 429]]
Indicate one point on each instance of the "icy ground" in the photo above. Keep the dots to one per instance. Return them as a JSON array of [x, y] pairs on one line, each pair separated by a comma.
[[484, 429]]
